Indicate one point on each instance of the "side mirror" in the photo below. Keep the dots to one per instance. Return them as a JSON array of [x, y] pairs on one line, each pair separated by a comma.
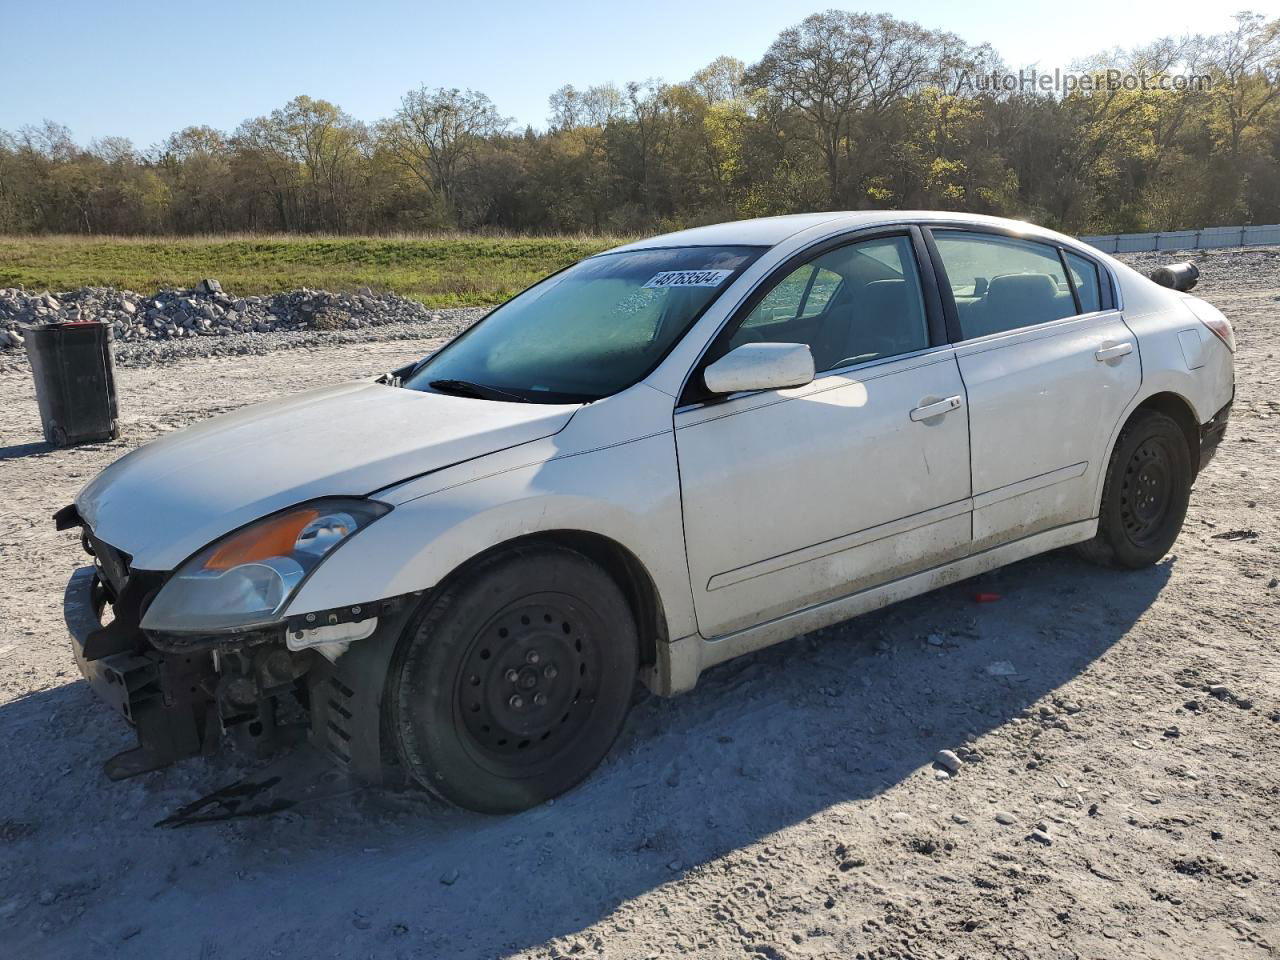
[[760, 366]]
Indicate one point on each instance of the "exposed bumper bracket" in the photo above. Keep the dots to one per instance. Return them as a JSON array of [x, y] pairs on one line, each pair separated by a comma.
[[166, 699]]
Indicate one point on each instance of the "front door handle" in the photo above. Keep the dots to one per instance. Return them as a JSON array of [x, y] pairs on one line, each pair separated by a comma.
[[1114, 352], [930, 410]]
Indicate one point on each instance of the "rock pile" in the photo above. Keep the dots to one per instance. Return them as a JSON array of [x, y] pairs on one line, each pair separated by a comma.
[[205, 310]]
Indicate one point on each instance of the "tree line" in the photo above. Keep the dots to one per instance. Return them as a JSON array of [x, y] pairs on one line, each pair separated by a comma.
[[843, 111]]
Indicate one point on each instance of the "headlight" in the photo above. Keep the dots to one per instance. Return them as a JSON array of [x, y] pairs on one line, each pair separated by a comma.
[[246, 578]]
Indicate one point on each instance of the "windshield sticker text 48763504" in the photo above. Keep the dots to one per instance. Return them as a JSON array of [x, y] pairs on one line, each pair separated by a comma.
[[689, 278]]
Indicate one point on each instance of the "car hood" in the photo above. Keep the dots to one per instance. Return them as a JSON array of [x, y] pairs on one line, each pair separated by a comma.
[[167, 499]]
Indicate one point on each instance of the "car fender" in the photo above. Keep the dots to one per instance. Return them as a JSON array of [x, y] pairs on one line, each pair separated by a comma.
[[627, 492], [1203, 380], [1167, 330]]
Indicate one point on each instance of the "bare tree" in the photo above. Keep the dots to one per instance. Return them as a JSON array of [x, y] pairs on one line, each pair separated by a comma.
[[566, 108], [1246, 62], [719, 81], [600, 104], [304, 153], [837, 64], [436, 132], [195, 162]]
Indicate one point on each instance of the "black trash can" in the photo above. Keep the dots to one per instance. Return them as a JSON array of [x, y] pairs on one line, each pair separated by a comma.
[[75, 381]]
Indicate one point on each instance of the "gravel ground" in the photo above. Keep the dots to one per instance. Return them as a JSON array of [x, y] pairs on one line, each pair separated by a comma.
[[1115, 795]]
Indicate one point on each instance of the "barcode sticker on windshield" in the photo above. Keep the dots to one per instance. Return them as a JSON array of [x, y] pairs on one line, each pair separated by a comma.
[[689, 278]]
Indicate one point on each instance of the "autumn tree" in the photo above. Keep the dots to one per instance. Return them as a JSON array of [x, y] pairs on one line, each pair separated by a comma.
[[435, 133], [836, 67], [844, 110]]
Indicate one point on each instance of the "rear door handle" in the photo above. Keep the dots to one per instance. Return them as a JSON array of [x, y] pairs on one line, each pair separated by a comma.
[[930, 410], [1113, 352]]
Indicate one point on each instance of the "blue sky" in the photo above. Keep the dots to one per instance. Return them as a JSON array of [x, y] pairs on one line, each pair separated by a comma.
[[145, 68]]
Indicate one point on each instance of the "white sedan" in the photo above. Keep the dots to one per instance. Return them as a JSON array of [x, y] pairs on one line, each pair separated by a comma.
[[662, 457]]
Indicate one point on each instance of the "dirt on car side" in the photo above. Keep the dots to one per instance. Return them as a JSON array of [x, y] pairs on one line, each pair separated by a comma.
[[1055, 760]]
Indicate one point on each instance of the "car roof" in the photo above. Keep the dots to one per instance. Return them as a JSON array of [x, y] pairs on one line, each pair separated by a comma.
[[770, 231]]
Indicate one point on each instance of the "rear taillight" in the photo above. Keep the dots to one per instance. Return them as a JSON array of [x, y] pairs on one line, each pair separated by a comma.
[[1212, 318], [1221, 328]]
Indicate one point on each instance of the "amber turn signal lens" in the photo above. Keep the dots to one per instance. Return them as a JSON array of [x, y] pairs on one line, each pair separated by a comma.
[[275, 538]]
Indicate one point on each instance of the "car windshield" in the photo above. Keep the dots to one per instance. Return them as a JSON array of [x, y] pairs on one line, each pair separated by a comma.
[[586, 332]]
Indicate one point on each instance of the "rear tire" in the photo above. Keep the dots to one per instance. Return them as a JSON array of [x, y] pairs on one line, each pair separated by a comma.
[[515, 682], [1144, 499]]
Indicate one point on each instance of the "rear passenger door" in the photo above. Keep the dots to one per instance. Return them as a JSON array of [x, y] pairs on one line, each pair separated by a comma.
[[1048, 366]]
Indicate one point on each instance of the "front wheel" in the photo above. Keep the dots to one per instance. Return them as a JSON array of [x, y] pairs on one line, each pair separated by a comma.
[[1144, 500], [514, 684]]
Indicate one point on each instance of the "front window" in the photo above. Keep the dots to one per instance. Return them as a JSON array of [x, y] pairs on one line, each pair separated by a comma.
[[587, 332], [854, 304]]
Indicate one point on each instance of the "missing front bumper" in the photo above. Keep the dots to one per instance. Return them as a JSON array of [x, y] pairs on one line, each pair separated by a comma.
[[181, 693], [167, 699]]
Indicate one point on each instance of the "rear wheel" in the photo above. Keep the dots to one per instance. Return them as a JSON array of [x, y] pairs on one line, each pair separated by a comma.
[[1144, 500], [515, 683]]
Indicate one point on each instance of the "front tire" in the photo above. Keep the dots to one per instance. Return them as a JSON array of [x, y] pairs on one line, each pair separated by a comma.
[[1144, 500], [515, 682]]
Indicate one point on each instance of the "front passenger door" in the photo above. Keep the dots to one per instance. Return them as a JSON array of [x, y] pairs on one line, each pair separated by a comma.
[[800, 496]]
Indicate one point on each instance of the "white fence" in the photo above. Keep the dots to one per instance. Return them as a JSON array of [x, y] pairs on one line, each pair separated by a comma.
[[1202, 239]]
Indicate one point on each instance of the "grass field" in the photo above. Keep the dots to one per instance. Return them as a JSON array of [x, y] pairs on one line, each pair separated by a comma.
[[440, 270]]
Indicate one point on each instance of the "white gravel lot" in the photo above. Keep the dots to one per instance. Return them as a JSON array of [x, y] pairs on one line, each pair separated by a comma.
[[787, 808]]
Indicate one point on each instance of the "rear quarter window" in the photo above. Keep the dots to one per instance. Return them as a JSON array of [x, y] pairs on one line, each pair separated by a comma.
[[1084, 274]]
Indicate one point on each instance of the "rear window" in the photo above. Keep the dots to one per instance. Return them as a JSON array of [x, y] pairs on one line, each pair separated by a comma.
[[1001, 283]]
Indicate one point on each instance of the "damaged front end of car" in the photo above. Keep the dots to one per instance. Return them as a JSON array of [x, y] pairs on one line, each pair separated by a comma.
[[186, 660]]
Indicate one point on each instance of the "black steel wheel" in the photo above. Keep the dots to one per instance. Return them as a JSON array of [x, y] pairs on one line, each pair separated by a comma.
[[1146, 490], [1145, 496], [531, 674], [516, 680]]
